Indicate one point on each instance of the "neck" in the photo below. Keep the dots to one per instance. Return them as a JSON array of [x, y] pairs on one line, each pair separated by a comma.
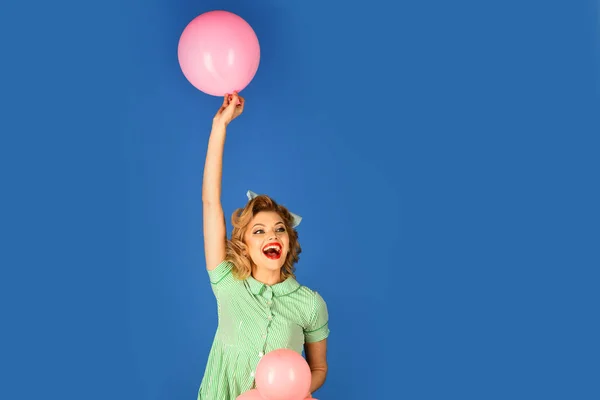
[[266, 276]]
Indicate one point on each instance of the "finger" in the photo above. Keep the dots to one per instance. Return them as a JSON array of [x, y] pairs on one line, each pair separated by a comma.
[[234, 101], [225, 100], [237, 98]]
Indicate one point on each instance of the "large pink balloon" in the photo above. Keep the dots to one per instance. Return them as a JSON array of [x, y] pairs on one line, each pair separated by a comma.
[[219, 53], [252, 394], [283, 375]]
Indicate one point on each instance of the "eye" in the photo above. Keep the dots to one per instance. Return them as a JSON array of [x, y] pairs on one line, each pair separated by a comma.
[[258, 231], [281, 229]]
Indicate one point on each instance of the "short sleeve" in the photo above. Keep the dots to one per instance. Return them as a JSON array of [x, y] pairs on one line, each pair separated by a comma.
[[220, 275], [318, 327]]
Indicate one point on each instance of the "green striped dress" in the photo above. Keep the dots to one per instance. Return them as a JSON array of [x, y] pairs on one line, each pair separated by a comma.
[[254, 319]]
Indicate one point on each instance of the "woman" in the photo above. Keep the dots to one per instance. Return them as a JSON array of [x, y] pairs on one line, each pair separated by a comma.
[[261, 307]]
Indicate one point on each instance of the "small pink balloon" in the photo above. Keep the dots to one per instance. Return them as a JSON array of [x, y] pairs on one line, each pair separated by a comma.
[[283, 375], [252, 394], [218, 53]]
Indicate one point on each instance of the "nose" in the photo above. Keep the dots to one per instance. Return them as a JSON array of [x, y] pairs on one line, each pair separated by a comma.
[[273, 236]]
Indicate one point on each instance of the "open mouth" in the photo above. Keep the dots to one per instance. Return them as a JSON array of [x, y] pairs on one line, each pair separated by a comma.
[[272, 251]]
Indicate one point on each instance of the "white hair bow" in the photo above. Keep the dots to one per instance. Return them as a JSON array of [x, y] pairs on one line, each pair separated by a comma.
[[296, 219]]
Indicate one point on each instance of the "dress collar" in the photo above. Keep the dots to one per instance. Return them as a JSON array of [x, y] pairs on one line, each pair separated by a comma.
[[279, 289]]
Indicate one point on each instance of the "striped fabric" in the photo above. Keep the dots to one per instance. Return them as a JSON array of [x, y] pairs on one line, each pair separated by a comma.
[[254, 319]]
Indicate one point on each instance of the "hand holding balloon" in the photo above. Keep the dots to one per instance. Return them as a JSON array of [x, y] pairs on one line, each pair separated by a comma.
[[232, 107]]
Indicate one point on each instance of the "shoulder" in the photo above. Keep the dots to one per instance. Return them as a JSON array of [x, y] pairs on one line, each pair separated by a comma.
[[311, 296], [225, 271], [307, 291], [220, 272]]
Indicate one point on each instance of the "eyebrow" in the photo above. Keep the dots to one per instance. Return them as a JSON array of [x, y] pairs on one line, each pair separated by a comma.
[[277, 223]]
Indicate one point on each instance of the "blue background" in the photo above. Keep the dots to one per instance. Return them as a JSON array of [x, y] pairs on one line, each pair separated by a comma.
[[443, 154]]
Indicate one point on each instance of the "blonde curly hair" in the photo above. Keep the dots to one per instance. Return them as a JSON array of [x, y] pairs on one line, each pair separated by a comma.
[[236, 248]]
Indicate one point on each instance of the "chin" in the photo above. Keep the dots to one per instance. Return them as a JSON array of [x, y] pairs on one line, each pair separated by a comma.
[[273, 265], [270, 265]]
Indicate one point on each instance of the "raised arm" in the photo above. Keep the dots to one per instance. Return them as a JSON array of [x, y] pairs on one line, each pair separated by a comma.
[[215, 233]]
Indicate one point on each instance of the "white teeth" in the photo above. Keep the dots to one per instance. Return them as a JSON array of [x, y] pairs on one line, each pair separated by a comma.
[[276, 248]]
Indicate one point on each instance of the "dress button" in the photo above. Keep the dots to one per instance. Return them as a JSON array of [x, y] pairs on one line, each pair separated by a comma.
[[270, 317], [252, 374], [261, 354]]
